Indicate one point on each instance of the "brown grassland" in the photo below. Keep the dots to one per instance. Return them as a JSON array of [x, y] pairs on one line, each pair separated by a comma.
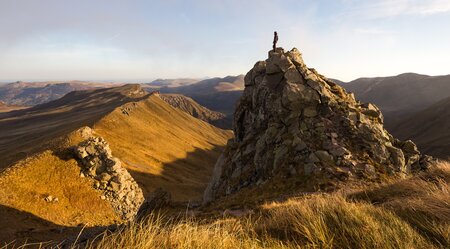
[[159, 145], [409, 213]]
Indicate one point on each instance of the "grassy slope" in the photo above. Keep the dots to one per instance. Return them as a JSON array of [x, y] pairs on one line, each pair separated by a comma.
[[164, 147], [23, 189], [25, 186], [8, 108], [400, 95], [409, 213], [429, 128], [25, 132]]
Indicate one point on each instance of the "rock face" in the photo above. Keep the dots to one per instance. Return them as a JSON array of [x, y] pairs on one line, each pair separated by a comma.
[[109, 176], [292, 121]]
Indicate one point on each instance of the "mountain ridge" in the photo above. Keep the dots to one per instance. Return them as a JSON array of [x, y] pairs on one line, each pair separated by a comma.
[[429, 128], [159, 145], [401, 95]]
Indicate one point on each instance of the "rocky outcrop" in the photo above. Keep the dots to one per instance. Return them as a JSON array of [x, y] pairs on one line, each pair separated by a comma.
[[292, 121], [114, 181]]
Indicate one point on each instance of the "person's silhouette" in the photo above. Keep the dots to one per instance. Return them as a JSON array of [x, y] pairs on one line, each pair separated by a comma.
[[275, 40]]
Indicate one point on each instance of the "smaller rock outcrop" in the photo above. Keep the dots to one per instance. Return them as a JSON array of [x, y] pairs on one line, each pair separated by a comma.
[[116, 184]]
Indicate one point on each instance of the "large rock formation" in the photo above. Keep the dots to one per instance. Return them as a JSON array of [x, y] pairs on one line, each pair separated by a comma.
[[116, 184], [294, 122]]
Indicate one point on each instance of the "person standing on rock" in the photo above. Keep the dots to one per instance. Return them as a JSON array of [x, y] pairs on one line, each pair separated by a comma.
[[275, 40]]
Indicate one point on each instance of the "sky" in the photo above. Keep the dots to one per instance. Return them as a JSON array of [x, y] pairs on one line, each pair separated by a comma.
[[137, 40]]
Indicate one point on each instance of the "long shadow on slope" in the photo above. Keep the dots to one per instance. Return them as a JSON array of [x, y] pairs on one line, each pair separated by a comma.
[[185, 178], [25, 132], [19, 227]]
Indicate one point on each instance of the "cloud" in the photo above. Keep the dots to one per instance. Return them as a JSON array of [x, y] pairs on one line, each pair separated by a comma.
[[372, 31], [394, 8]]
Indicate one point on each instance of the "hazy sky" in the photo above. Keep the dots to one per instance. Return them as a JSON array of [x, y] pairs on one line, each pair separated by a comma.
[[142, 40]]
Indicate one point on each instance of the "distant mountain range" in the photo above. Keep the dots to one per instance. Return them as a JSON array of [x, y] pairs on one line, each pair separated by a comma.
[[403, 99], [415, 107], [33, 93], [429, 128], [217, 94], [173, 82], [401, 95], [196, 110]]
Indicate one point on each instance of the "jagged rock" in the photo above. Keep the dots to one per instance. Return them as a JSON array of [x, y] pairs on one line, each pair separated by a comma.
[[109, 177], [324, 156], [51, 198], [237, 212], [291, 118]]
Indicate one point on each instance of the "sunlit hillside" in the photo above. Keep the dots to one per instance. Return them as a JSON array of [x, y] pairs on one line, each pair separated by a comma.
[[163, 146], [42, 191]]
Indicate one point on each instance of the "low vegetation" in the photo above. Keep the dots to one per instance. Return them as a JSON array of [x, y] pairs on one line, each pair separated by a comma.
[[410, 213]]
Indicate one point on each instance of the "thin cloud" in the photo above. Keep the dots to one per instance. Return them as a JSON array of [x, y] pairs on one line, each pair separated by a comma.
[[372, 31], [394, 8]]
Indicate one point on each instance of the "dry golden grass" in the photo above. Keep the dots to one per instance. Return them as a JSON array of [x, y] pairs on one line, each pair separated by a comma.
[[25, 186], [333, 222], [164, 147], [160, 145], [411, 213], [422, 201], [317, 222]]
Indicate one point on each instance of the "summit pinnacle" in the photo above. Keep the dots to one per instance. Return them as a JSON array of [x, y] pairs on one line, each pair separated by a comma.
[[293, 123]]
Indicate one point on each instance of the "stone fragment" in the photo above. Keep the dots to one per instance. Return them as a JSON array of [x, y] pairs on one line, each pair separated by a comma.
[[312, 158], [324, 156], [49, 198], [398, 158], [309, 168], [310, 112], [339, 151], [293, 76]]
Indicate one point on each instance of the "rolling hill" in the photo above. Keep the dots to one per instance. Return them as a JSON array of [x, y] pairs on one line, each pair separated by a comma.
[[172, 82], [401, 95], [7, 108], [161, 146], [196, 110], [33, 93], [216, 94], [429, 128], [208, 86]]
